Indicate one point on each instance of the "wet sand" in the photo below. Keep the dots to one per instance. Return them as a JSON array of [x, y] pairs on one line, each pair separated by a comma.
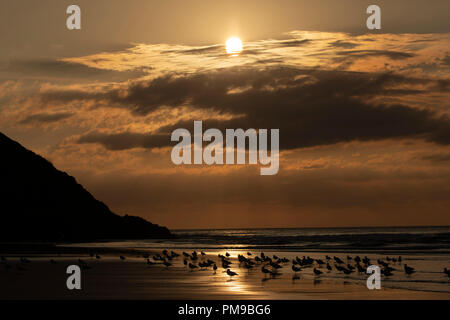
[[112, 278]]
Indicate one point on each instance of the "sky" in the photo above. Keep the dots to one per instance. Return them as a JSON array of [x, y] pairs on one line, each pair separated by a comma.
[[363, 115]]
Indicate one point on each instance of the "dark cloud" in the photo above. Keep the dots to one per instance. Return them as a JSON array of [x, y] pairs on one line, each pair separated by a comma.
[[61, 69], [437, 157], [310, 107], [360, 54], [125, 140], [446, 60], [291, 43], [46, 117], [202, 50], [344, 44]]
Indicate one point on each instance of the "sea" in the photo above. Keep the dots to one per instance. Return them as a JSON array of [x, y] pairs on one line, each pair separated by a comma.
[[427, 249]]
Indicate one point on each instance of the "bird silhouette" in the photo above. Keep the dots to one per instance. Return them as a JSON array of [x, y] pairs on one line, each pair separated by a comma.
[[167, 264], [24, 260], [338, 260], [264, 270], [192, 266], [231, 273], [317, 272], [409, 270], [295, 268], [122, 258]]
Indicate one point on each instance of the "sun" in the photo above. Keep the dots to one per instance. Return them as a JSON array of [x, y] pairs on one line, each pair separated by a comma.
[[234, 46]]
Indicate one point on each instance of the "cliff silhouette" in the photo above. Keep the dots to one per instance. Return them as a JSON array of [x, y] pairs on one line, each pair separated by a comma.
[[40, 203]]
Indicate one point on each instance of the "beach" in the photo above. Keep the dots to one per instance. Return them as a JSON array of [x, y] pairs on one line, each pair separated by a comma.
[[120, 269], [109, 277]]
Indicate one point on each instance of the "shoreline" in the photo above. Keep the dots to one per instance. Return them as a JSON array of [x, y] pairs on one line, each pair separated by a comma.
[[111, 278]]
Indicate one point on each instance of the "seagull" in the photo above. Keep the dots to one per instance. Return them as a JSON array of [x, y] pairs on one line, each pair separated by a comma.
[[346, 271], [264, 270], [386, 272], [202, 253], [409, 270], [320, 262], [24, 260], [360, 268], [366, 260], [329, 267], [185, 262], [274, 273], [215, 268], [249, 253], [122, 258], [317, 272], [227, 254], [275, 265], [338, 260], [192, 266], [248, 266], [295, 269], [231, 273]]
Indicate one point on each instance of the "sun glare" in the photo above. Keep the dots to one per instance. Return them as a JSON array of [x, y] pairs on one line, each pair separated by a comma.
[[234, 46]]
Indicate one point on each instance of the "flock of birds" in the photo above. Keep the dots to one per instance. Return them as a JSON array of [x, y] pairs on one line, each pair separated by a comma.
[[269, 266]]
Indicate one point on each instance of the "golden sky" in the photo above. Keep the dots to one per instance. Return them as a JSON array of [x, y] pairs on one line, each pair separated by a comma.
[[363, 116]]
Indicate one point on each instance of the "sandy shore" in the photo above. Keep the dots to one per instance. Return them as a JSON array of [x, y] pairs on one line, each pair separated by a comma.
[[112, 278]]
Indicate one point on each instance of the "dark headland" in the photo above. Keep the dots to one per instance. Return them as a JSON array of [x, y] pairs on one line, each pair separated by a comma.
[[40, 203]]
